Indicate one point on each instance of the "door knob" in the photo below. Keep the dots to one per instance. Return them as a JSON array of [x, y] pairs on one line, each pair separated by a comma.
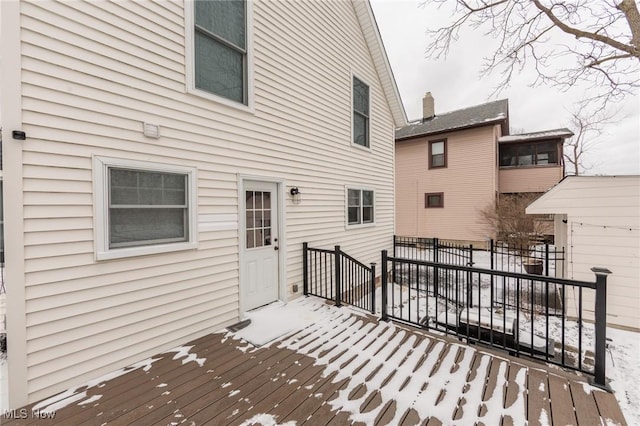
[[275, 248]]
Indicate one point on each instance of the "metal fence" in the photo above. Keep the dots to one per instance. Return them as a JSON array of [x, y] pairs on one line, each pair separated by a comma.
[[433, 250], [334, 275], [463, 301], [543, 259]]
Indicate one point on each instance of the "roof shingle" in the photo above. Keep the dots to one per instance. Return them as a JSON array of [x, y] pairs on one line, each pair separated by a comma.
[[492, 112]]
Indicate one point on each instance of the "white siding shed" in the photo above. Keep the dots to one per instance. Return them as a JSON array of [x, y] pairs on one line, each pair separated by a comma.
[[597, 219]]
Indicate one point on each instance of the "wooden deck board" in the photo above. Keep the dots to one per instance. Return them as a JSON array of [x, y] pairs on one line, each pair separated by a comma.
[[538, 408], [609, 408], [336, 376], [584, 402], [562, 408]]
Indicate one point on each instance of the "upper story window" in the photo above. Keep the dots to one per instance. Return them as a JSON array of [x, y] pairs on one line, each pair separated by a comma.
[[360, 204], [437, 154], [360, 113], [220, 48], [528, 154]]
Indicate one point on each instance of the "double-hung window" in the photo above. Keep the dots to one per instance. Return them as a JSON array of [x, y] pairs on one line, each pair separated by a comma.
[[220, 48], [143, 208], [360, 206], [360, 113], [438, 154]]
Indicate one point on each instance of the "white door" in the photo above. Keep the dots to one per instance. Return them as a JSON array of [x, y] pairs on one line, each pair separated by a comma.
[[260, 259]]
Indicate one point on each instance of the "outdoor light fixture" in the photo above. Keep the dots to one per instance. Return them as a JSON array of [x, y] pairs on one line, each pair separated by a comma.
[[19, 135], [295, 195]]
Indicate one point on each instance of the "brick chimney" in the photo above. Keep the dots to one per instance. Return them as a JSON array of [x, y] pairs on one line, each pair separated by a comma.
[[428, 107]]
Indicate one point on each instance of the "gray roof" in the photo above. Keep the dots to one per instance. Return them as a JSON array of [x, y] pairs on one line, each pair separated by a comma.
[[479, 115], [546, 134]]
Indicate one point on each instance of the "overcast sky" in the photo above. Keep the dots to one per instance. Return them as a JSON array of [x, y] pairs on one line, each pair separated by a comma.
[[455, 83]]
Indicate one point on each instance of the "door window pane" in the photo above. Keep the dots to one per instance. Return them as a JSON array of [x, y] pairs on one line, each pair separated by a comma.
[[258, 223]]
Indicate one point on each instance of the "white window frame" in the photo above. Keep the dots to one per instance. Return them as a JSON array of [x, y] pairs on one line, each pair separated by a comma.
[[191, 88], [346, 198], [101, 166], [365, 148]]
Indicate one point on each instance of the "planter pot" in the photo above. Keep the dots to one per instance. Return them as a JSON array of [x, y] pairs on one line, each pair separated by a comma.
[[533, 266]]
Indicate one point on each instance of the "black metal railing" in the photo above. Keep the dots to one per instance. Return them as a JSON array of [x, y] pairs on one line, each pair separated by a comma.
[[433, 250], [466, 302], [542, 259], [334, 275]]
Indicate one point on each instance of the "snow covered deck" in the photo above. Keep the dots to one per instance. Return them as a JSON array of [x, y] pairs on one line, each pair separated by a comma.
[[340, 367]]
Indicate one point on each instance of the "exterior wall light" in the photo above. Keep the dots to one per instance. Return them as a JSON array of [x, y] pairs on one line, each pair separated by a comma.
[[295, 195]]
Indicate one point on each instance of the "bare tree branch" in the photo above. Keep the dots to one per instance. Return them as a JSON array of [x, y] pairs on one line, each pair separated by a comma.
[[587, 126], [603, 51], [630, 49]]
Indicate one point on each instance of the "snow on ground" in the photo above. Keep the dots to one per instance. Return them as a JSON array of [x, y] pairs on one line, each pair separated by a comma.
[[623, 347], [265, 420], [276, 320], [623, 369], [73, 395], [387, 349], [387, 352], [623, 351]]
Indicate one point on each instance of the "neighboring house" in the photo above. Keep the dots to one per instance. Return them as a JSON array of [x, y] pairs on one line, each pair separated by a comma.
[[165, 161], [597, 219], [451, 166]]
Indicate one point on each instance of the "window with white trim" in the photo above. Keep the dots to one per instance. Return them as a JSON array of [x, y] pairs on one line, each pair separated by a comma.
[[220, 48], [360, 113], [360, 206], [143, 208]]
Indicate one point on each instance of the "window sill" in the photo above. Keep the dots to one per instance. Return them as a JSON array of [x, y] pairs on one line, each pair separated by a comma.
[[361, 147], [360, 225], [144, 250], [532, 166], [222, 101]]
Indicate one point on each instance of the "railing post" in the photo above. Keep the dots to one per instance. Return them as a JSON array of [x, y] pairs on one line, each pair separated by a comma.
[[305, 269], [546, 259], [492, 248], [470, 280], [338, 276], [601, 326], [395, 253], [373, 288], [436, 256], [383, 277]]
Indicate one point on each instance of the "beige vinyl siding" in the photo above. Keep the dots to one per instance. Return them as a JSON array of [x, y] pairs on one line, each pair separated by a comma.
[[467, 183], [529, 179], [92, 72], [602, 230]]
